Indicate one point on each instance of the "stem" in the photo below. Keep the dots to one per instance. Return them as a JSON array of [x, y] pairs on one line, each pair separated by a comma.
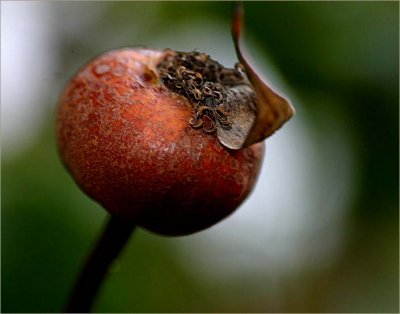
[[110, 244]]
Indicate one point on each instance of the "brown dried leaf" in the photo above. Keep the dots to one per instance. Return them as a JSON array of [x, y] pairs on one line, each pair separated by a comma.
[[272, 109]]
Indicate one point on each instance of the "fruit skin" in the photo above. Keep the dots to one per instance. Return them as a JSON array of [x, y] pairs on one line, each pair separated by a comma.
[[127, 142]]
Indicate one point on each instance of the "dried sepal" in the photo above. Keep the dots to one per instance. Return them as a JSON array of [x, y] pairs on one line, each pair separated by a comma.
[[234, 103], [272, 109], [223, 100], [242, 114]]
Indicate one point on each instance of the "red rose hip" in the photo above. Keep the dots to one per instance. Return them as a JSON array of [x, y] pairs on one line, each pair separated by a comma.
[[166, 140], [146, 134]]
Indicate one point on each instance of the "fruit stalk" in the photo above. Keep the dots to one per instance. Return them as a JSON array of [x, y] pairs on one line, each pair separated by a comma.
[[112, 241]]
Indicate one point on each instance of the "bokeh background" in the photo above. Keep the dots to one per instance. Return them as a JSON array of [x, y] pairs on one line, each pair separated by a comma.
[[320, 231]]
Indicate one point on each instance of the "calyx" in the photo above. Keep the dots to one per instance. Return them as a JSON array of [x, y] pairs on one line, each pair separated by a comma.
[[223, 100]]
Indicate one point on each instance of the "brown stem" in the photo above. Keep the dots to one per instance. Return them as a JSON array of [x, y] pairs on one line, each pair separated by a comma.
[[110, 244]]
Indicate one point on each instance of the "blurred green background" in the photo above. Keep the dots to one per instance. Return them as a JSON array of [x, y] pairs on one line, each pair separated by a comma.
[[320, 233]]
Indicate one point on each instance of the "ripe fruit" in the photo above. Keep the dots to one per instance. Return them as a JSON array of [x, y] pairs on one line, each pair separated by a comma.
[[135, 140], [168, 139]]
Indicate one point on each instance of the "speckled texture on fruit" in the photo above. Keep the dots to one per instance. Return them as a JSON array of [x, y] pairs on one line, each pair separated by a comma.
[[127, 142]]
